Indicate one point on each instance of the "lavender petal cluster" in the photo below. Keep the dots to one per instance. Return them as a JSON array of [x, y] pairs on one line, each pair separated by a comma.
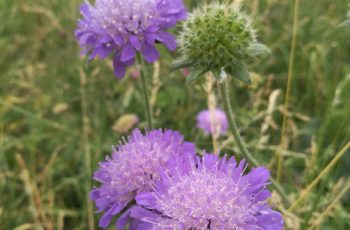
[[134, 168], [212, 122], [125, 27], [208, 193]]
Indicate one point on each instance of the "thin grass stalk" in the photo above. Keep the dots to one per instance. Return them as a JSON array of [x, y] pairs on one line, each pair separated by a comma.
[[321, 218], [331, 164], [10, 106], [87, 151], [283, 143], [35, 200]]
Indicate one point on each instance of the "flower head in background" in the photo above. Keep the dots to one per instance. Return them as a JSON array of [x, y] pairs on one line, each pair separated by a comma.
[[134, 168], [125, 123], [218, 37], [212, 122], [209, 193], [125, 27]]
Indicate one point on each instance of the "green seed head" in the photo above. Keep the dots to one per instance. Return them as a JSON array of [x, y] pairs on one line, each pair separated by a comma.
[[217, 37]]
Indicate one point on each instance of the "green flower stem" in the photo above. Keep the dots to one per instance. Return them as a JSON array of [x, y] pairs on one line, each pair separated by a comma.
[[87, 150], [241, 145], [144, 90]]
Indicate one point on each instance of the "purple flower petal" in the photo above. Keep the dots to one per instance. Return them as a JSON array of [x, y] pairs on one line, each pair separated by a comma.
[[128, 53], [123, 219], [168, 40], [170, 22], [85, 9], [150, 38], [104, 52], [105, 220], [210, 161], [139, 225], [146, 199], [269, 218], [141, 213], [118, 40], [152, 28], [130, 62], [134, 41], [263, 195], [119, 68], [150, 53], [84, 37], [106, 39], [107, 217], [94, 194]]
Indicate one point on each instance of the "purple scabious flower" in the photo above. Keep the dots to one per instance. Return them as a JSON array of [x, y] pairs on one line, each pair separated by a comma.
[[212, 122], [209, 193], [125, 27], [133, 168]]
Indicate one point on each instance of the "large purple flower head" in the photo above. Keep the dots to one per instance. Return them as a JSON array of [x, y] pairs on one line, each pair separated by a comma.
[[209, 193], [134, 168], [212, 122], [123, 27]]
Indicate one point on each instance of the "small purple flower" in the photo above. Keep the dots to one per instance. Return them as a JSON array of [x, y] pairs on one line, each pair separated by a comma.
[[208, 193], [125, 27], [134, 168], [214, 122]]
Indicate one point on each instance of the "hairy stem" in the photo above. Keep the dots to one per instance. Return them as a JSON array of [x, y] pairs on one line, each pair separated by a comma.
[[241, 145], [145, 96]]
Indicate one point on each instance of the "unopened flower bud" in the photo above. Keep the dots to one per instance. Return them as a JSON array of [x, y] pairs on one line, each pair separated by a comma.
[[218, 37]]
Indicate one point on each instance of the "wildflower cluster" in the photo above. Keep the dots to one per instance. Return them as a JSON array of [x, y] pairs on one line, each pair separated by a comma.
[[155, 180], [174, 189]]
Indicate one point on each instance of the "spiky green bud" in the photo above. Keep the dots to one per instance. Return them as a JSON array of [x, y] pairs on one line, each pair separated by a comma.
[[218, 37]]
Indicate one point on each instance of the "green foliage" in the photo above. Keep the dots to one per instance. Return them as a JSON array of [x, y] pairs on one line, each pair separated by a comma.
[[54, 111], [345, 23]]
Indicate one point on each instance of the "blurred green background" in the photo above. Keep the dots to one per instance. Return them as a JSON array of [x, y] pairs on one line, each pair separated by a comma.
[[58, 114]]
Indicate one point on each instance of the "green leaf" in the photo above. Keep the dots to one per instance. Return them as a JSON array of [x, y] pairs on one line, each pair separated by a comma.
[[256, 49], [240, 72], [180, 63], [195, 73], [345, 24]]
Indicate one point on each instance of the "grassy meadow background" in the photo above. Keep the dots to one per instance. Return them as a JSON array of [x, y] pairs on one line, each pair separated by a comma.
[[58, 114]]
